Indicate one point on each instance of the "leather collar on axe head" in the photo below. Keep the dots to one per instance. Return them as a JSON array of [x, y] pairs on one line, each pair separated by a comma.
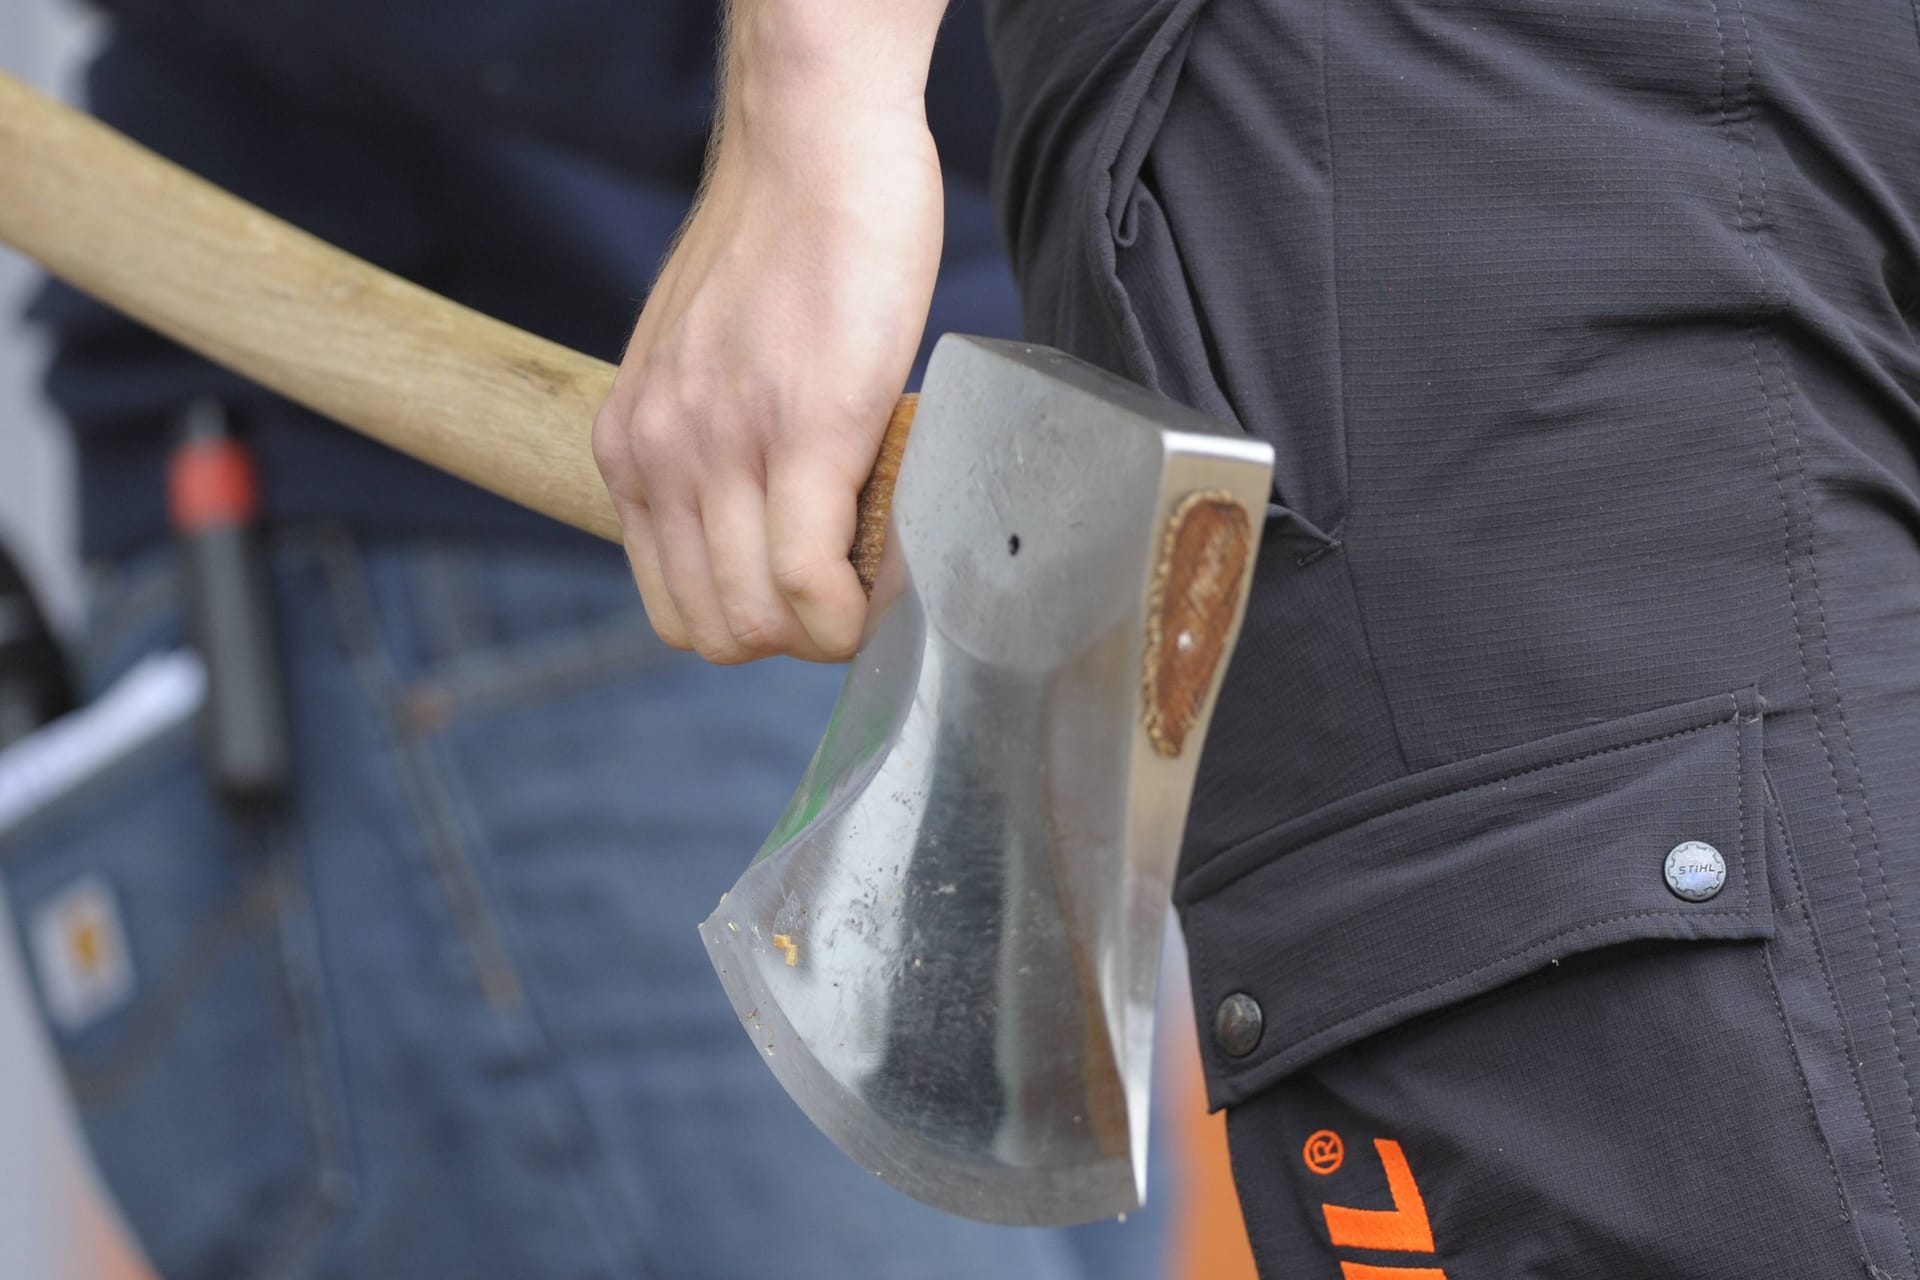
[[948, 951]]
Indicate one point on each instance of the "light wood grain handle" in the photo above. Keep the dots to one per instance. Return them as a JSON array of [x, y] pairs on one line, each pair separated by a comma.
[[494, 405]]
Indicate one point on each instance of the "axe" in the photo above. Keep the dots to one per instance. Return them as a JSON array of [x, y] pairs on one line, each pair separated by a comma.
[[948, 950]]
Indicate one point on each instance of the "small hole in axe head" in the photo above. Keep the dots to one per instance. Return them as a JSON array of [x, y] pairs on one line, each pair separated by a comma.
[[1013, 545]]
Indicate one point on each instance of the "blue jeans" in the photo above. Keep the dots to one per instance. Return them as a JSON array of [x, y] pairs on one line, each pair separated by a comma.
[[450, 1017]]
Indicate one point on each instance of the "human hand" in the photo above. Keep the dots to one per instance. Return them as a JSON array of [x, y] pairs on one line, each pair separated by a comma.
[[752, 398]]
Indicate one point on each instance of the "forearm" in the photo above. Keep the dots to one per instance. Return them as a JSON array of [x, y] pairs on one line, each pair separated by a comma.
[[761, 375], [783, 56]]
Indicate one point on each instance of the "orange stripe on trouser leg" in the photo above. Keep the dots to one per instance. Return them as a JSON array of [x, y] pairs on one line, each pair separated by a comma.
[[1361, 1271], [1402, 1229]]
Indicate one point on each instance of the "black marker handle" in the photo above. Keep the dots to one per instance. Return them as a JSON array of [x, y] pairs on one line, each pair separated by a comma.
[[213, 500]]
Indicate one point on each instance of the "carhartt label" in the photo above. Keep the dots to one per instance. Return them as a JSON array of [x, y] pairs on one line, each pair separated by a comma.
[[80, 951]]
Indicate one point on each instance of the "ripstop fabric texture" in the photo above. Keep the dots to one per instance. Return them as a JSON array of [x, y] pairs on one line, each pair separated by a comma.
[[1588, 337]]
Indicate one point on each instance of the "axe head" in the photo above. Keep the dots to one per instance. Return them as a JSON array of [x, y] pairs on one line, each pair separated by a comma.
[[948, 951]]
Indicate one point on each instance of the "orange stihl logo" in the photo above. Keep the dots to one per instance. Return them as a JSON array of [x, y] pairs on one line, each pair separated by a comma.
[[1402, 1229]]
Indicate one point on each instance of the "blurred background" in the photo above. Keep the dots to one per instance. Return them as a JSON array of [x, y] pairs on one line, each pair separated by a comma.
[[55, 1223], [41, 41]]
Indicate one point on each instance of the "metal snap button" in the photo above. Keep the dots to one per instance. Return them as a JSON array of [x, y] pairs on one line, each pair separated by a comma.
[[1696, 871], [1237, 1024]]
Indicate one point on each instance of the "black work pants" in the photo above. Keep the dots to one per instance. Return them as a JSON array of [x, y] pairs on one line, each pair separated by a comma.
[[1553, 884]]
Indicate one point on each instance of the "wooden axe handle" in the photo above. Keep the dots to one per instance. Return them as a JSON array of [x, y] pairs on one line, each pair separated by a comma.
[[490, 403]]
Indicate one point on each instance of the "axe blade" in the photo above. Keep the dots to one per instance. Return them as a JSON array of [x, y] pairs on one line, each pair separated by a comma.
[[948, 950]]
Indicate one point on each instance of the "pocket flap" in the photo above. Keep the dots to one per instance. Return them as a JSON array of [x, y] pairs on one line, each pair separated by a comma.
[[1413, 895]]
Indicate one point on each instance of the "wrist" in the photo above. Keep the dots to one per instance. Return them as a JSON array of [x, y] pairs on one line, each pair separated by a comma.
[[820, 140], [789, 61]]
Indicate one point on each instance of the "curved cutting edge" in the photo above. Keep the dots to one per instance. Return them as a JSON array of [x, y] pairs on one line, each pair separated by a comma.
[[899, 1151], [948, 950]]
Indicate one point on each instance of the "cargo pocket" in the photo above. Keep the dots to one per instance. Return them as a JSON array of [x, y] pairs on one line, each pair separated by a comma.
[[174, 966], [1520, 1009]]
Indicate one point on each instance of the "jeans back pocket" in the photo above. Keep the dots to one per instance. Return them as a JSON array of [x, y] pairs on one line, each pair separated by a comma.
[[171, 956]]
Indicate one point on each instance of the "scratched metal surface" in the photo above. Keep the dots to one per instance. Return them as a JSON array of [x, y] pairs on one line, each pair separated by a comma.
[[948, 949]]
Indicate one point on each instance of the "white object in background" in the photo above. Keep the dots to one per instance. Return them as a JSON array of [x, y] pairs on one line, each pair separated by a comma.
[[50, 1210], [41, 42], [79, 946], [159, 693], [54, 1222]]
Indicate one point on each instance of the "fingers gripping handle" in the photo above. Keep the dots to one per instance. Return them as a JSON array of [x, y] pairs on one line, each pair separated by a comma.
[[492, 404]]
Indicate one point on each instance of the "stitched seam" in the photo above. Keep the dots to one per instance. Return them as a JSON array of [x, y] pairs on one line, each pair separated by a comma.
[[1306, 558], [1333, 275], [600, 1202], [499, 980], [440, 609], [1839, 699], [1833, 997], [1767, 285], [178, 986], [256, 904], [1354, 594], [1101, 250], [488, 681], [1916, 25], [1744, 912], [330, 1196], [122, 606], [1878, 855], [138, 591], [1819, 601], [1207, 889], [1806, 1092], [1204, 970], [485, 937], [1740, 796], [1543, 944], [144, 768], [1336, 538]]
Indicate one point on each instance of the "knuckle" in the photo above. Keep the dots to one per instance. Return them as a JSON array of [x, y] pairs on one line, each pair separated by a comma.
[[758, 629], [664, 620], [832, 626], [691, 426], [840, 648], [803, 581], [721, 652], [657, 431], [611, 453], [671, 633]]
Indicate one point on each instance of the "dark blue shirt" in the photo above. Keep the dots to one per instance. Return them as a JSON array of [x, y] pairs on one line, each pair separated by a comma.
[[530, 158]]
